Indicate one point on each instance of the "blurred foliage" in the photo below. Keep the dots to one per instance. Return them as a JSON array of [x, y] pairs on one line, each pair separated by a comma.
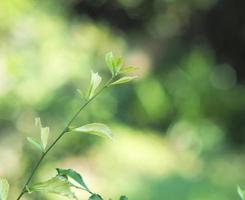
[[178, 130]]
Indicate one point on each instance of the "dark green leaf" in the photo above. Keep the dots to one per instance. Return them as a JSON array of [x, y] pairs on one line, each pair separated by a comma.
[[73, 175], [95, 197], [123, 198]]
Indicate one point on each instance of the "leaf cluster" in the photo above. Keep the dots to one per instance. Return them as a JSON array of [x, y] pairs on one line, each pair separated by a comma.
[[66, 179]]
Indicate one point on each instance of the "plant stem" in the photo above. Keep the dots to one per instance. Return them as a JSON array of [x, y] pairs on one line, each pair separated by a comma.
[[80, 188], [66, 129]]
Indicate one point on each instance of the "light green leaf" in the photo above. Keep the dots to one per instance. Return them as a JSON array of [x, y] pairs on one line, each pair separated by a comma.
[[109, 59], [128, 69], [118, 65], [118, 61], [35, 143], [44, 137], [38, 122], [81, 94], [240, 192], [114, 64], [123, 198], [95, 197], [74, 175], [95, 129], [95, 82], [4, 189], [57, 185], [124, 80], [28, 190]]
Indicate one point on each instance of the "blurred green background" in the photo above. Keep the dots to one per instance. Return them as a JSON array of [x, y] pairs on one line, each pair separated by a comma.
[[179, 128]]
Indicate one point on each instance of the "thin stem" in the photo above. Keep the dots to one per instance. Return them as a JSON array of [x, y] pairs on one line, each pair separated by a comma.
[[66, 129], [80, 188]]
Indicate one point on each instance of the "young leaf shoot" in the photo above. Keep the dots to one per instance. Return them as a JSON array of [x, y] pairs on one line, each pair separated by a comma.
[[4, 189]]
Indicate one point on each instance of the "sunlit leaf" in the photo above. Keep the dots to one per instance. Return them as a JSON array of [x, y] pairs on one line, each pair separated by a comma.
[[118, 65], [240, 192], [35, 143], [44, 137], [95, 197], [114, 64], [94, 83], [95, 129], [81, 94], [124, 80], [109, 59], [38, 122], [123, 198], [28, 189], [4, 189], [74, 175], [128, 69], [57, 185]]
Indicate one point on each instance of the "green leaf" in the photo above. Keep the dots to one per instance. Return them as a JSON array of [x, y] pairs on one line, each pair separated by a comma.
[[81, 94], [57, 185], [44, 137], [35, 143], [74, 175], [114, 64], [240, 192], [95, 197], [94, 83], [95, 129], [109, 59], [124, 80], [4, 189], [128, 69], [118, 65], [38, 122], [123, 198]]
